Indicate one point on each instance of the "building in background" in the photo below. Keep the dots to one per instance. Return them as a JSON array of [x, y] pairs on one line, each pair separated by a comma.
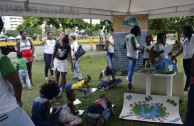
[[11, 22]]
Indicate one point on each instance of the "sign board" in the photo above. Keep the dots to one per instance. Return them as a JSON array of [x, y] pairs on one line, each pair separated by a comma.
[[120, 60], [120, 21]]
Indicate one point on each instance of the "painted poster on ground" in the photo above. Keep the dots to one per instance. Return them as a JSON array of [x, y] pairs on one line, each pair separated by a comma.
[[120, 60], [153, 108]]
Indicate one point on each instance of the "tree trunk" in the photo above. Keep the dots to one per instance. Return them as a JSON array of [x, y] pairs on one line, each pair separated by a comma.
[[179, 38], [63, 26]]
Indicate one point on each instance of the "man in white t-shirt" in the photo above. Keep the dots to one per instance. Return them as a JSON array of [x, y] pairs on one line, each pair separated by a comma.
[[110, 51], [74, 47], [11, 112]]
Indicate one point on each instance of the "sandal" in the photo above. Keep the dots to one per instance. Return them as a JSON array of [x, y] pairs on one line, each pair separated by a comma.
[[130, 88]]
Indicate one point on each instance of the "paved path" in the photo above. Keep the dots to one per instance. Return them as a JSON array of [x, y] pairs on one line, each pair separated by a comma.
[[39, 50]]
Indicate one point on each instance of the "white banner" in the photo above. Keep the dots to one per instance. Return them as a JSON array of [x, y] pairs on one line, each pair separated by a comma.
[[40, 10], [153, 108]]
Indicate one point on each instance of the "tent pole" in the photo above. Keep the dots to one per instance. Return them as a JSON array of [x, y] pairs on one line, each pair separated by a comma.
[[128, 11]]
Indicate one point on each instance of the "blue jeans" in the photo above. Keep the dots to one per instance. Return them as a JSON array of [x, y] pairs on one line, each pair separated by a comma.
[[47, 60], [109, 57], [23, 74], [16, 117], [189, 121], [131, 68], [106, 114], [187, 69], [104, 84], [77, 73]]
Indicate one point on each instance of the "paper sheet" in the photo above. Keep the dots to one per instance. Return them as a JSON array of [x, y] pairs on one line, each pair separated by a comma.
[[51, 109], [167, 50], [93, 89], [81, 112], [76, 102]]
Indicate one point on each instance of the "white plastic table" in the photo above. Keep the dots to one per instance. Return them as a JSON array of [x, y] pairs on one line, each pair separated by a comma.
[[169, 83]]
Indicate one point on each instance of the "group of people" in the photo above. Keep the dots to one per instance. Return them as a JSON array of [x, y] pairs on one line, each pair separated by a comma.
[[156, 51], [56, 54], [56, 57]]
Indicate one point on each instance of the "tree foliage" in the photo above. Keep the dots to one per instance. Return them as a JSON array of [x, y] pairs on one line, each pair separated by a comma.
[[104, 25], [170, 25], [10, 33], [31, 31], [65, 23]]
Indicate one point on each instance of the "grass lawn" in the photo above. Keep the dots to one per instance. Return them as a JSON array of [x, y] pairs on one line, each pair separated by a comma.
[[91, 65]]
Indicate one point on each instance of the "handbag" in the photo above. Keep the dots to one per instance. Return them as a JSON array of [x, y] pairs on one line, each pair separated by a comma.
[[106, 47], [80, 52]]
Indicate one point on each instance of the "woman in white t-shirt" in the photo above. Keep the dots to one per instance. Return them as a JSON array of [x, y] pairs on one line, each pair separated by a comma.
[[188, 50], [49, 44], [74, 47], [110, 51]]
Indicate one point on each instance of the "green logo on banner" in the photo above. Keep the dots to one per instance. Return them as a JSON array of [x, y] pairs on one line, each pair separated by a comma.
[[130, 21]]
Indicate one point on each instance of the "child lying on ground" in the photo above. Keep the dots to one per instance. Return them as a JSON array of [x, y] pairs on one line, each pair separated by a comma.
[[69, 113], [80, 85], [41, 115], [108, 80], [100, 110]]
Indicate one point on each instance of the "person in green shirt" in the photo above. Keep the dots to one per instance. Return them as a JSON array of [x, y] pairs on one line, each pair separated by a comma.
[[22, 70]]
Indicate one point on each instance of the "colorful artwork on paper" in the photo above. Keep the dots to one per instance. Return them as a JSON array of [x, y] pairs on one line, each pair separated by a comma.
[[153, 108]]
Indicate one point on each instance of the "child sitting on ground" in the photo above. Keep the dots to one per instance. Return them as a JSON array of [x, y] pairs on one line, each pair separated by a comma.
[[41, 115], [22, 70], [108, 80], [80, 85], [69, 113], [100, 110]]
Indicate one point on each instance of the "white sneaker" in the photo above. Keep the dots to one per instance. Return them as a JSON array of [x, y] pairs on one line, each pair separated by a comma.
[[46, 78]]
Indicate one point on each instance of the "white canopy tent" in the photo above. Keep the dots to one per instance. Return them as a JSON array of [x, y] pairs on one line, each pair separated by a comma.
[[96, 9]]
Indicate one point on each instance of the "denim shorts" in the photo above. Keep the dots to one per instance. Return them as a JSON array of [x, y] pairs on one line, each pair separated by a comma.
[[16, 117]]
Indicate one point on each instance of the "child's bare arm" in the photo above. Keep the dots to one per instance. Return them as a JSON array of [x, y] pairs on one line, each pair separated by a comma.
[[112, 111], [79, 88], [100, 77], [17, 68], [73, 108], [89, 87]]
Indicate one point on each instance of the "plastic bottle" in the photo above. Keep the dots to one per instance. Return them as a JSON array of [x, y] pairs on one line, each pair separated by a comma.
[[85, 92]]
